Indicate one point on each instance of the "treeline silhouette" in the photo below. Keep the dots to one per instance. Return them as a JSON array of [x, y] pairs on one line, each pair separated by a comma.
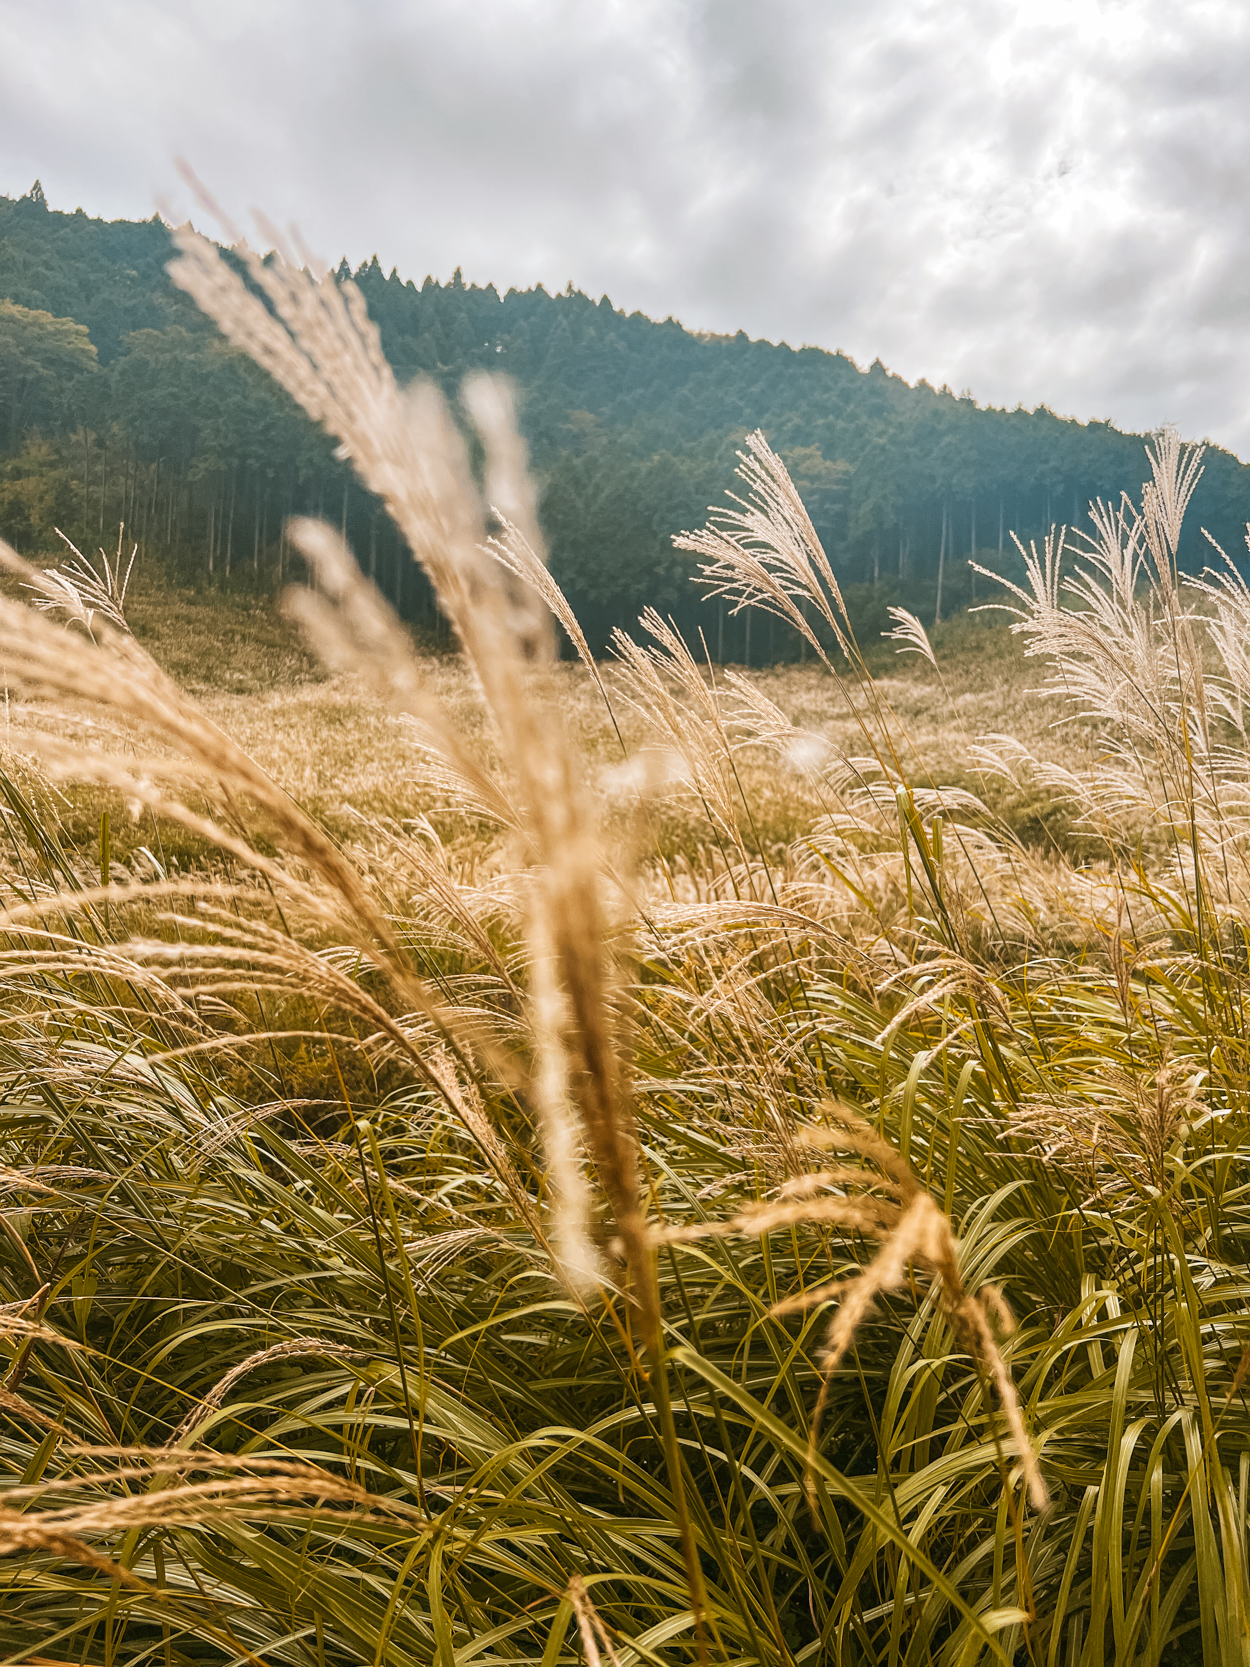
[[119, 403]]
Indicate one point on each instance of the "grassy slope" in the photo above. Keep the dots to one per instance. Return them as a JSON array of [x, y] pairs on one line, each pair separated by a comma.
[[333, 746]]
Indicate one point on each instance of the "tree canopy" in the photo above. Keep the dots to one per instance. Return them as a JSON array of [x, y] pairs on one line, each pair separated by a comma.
[[44, 366], [113, 387]]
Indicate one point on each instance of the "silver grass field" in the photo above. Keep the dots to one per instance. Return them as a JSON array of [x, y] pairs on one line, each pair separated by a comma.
[[716, 1191]]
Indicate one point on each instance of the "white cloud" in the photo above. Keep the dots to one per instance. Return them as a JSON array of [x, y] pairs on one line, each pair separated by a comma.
[[1039, 202]]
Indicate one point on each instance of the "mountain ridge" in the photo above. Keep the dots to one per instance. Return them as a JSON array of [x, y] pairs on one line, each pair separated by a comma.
[[633, 424]]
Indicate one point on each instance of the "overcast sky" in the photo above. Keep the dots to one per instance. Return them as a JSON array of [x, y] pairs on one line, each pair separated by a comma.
[[1037, 200]]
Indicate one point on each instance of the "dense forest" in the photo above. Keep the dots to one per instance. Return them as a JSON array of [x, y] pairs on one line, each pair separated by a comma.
[[119, 403]]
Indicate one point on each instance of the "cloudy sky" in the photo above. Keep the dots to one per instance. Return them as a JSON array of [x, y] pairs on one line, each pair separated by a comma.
[[1038, 200]]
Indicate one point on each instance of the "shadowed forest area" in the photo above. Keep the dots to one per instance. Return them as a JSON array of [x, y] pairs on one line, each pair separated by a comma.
[[118, 402]]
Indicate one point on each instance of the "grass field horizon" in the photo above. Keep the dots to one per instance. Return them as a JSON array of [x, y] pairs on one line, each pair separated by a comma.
[[336, 747], [628, 1161]]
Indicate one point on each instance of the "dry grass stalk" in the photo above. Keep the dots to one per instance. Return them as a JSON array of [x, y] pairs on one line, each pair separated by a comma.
[[671, 693], [562, 1136], [911, 635], [513, 502], [353, 629], [464, 1095], [258, 1479], [294, 1348], [13, 1328], [594, 1635], [911, 1230], [23, 1535], [764, 552], [319, 343], [1127, 652], [9, 1402], [513, 550], [111, 670], [81, 591], [274, 1490], [1114, 1133]]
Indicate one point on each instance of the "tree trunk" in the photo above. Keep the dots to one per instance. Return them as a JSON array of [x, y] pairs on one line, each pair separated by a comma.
[[937, 615], [972, 547], [230, 524], [1000, 523]]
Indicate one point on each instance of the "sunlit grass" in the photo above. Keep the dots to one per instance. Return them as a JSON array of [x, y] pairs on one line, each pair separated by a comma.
[[344, 753], [635, 1162]]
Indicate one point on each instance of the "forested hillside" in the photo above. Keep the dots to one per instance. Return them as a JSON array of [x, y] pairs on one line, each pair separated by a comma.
[[117, 401]]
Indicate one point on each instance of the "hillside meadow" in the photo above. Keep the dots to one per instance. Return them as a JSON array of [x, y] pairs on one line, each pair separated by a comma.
[[343, 753], [511, 1161]]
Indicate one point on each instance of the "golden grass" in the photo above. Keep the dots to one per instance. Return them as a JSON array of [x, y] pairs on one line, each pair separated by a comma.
[[337, 748], [548, 1276]]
